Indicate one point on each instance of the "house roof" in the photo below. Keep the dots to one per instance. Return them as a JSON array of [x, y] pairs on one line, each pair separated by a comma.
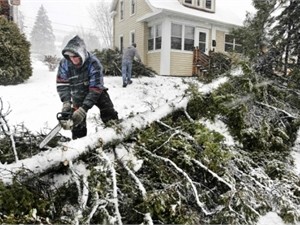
[[227, 11], [231, 12]]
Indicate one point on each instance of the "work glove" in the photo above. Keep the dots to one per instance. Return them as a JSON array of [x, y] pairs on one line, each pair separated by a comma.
[[66, 107], [78, 116]]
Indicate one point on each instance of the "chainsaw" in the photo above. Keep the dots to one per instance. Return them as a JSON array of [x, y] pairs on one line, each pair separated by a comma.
[[64, 121]]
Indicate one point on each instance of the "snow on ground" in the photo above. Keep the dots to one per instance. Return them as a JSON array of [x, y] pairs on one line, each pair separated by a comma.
[[36, 102]]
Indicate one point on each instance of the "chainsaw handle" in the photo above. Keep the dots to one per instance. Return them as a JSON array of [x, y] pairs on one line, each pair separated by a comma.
[[63, 116]]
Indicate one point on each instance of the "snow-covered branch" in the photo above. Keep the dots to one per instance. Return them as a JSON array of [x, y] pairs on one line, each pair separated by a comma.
[[276, 109], [186, 176], [147, 216], [6, 129], [73, 149], [114, 199]]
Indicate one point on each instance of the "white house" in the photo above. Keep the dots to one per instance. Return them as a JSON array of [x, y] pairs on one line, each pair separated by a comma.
[[166, 31]]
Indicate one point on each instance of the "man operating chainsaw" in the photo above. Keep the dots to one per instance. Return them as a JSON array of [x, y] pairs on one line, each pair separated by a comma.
[[80, 86]]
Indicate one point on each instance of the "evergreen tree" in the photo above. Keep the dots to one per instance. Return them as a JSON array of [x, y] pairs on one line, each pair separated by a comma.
[[253, 33], [286, 33], [42, 37], [15, 66]]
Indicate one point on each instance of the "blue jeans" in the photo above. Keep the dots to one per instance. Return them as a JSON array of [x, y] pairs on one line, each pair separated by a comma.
[[126, 71]]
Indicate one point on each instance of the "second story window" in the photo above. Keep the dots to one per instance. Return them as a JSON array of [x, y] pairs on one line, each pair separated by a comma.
[[121, 10], [132, 7], [188, 1]]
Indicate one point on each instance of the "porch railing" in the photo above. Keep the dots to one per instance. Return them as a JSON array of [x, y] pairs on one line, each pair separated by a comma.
[[201, 62]]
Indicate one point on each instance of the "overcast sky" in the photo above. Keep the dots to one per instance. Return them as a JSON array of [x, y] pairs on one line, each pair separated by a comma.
[[65, 15]]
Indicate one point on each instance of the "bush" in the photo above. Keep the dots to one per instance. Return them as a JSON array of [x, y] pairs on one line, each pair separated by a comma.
[[15, 65], [51, 61], [111, 61]]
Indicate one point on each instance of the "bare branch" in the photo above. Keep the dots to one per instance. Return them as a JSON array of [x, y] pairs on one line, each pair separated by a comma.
[[6, 129]]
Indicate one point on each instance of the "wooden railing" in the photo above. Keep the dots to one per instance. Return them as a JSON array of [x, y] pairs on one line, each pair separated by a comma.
[[201, 62]]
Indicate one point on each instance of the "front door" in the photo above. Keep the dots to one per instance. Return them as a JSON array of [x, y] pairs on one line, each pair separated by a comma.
[[201, 39]]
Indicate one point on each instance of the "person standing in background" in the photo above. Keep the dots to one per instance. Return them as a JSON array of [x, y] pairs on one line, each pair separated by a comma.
[[127, 58]]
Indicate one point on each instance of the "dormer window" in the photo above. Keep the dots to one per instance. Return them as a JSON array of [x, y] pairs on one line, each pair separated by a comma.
[[206, 5]]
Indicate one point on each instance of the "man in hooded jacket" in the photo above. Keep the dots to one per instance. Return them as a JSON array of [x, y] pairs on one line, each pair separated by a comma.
[[80, 86]]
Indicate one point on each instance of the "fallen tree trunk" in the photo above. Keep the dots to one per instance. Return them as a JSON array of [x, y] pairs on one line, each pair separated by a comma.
[[70, 151], [73, 149]]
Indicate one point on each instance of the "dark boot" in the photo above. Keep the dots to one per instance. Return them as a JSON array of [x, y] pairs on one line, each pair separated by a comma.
[[79, 131]]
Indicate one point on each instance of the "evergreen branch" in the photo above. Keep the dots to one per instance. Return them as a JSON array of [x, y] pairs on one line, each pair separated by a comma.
[[147, 216], [98, 204], [188, 116], [200, 204], [276, 109], [232, 188]]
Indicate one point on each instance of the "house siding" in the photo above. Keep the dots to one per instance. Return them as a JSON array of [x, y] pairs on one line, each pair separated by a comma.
[[154, 61], [129, 24], [220, 39], [181, 64], [165, 61]]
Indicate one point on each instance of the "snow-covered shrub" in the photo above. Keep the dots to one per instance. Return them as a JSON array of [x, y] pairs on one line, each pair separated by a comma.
[[111, 61], [15, 65], [51, 61]]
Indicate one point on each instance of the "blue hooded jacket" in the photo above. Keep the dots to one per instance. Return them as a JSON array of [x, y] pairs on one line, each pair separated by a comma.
[[82, 85]]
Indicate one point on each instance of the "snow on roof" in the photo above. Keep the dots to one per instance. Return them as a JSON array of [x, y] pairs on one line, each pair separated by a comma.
[[227, 11]]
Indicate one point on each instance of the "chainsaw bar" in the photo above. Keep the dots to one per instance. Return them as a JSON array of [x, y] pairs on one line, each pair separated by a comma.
[[51, 134]]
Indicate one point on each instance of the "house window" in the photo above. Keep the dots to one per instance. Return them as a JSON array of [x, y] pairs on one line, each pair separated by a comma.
[[154, 37], [189, 35], [158, 37], [176, 36], [208, 4], [132, 37], [121, 44], [121, 10], [150, 38], [232, 44], [132, 7]]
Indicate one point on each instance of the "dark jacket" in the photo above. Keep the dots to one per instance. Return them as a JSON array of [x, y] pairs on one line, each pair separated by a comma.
[[82, 85]]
